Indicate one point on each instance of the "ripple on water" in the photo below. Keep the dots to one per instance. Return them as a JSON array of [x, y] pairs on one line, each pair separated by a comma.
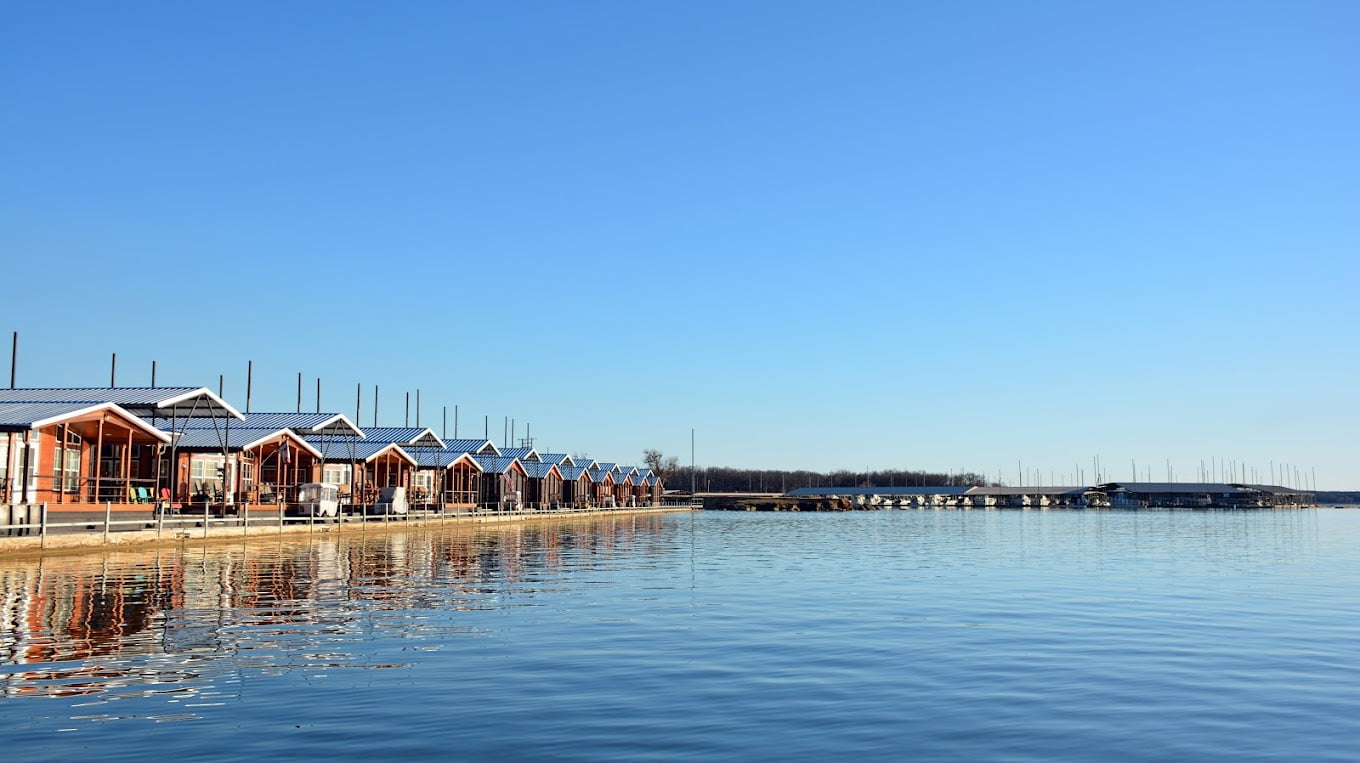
[[882, 635]]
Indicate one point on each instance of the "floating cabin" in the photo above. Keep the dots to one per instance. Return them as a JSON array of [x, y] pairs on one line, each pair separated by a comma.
[[82, 450], [371, 467], [603, 481], [142, 449], [261, 460], [423, 445], [502, 484], [542, 485], [577, 487]]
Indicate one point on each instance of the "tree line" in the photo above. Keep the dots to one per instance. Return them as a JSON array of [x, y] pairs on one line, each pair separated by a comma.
[[726, 479]]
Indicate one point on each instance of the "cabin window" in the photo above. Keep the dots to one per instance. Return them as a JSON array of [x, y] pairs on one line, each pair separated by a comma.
[[423, 481], [4, 462], [206, 468], [337, 474], [66, 469], [247, 475]]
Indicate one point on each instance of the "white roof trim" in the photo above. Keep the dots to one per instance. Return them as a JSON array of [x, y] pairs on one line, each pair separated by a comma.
[[134, 420]]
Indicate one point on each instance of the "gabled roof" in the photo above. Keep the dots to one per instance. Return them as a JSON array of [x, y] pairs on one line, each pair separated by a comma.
[[586, 462], [473, 446], [349, 450], [497, 464], [428, 458], [144, 402], [414, 436], [523, 454], [557, 458], [16, 417], [237, 439], [539, 470], [602, 476], [607, 467], [573, 472], [329, 424]]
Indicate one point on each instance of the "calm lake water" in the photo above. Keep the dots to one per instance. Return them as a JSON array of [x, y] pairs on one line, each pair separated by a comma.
[[890, 635]]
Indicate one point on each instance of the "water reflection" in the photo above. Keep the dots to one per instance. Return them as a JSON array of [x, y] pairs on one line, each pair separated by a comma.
[[156, 621]]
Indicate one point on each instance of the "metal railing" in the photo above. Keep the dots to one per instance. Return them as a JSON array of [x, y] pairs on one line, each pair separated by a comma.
[[197, 520]]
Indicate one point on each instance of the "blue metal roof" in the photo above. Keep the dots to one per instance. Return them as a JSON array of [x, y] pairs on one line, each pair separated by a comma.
[[17, 417], [331, 424], [348, 449], [471, 445], [556, 458], [413, 436], [537, 469], [145, 402], [495, 464], [428, 458], [523, 454], [573, 472]]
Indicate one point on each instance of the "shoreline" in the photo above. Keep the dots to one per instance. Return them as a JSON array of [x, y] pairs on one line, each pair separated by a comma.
[[37, 545]]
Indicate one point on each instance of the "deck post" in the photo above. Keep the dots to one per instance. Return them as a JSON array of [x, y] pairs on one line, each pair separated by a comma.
[[205, 517], [245, 518], [108, 515], [42, 524]]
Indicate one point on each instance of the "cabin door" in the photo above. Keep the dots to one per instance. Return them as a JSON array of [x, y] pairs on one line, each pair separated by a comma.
[[24, 466]]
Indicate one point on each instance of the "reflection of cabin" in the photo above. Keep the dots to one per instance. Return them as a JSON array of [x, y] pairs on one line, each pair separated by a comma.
[[502, 484], [542, 485], [76, 457], [577, 487]]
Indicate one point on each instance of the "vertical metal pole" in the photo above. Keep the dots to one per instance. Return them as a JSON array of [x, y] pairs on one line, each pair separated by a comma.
[[444, 431], [153, 374], [375, 405], [299, 394], [318, 394], [113, 371], [245, 518], [205, 517], [358, 395], [13, 358], [250, 380], [408, 410], [221, 382], [42, 525], [108, 515], [455, 422]]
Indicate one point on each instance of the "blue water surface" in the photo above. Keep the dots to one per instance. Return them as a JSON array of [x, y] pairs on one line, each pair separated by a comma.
[[884, 635]]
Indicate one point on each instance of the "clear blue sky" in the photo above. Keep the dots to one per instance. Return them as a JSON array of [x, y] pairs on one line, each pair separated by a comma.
[[823, 235]]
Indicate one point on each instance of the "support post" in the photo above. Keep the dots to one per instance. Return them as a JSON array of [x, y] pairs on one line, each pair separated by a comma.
[[42, 524], [108, 515]]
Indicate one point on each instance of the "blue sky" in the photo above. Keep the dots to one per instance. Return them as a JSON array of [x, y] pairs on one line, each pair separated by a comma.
[[822, 235]]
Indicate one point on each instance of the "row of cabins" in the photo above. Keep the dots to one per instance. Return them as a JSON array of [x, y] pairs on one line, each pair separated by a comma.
[[180, 447], [1190, 495]]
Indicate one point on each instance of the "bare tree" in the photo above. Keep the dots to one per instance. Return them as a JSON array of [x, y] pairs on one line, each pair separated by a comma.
[[662, 466]]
